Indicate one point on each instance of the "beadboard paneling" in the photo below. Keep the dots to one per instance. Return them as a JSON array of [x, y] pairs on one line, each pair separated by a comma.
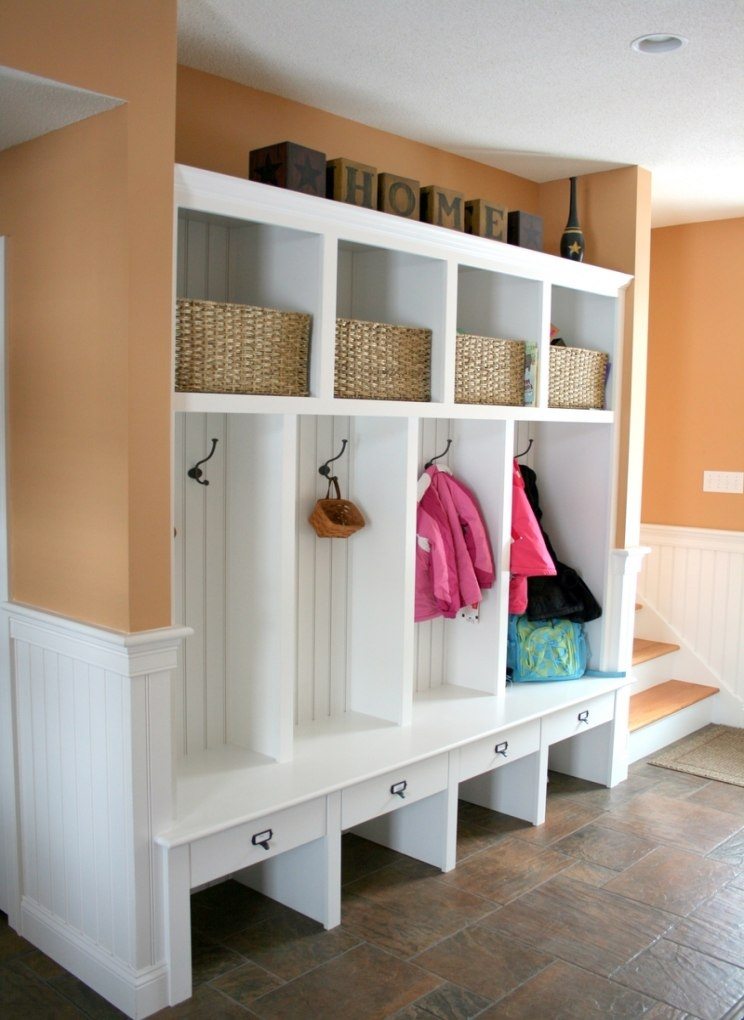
[[694, 578]]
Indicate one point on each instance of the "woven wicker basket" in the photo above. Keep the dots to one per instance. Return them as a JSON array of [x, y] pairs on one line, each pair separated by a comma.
[[489, 371], [229, 348], [377, 361], [577, 378]]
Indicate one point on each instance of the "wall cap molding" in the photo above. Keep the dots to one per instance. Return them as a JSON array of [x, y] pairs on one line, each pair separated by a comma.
[[693, 538], [129, 655]]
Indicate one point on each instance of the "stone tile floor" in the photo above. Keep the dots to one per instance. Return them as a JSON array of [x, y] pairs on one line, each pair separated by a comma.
[[626, 903]]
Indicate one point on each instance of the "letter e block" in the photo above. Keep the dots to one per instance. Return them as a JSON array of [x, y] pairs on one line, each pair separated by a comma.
[[398, 195], [484, 219], [525, 230], [443, 207], [354, 183]]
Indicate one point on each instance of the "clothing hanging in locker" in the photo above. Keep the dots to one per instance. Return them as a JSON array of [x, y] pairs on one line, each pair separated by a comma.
[[454, 563]]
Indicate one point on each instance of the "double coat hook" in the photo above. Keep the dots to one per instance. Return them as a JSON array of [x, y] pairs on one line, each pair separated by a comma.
[[196, 472]]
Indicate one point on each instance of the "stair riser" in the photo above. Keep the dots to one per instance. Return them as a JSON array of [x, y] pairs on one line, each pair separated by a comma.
[[680, 724]]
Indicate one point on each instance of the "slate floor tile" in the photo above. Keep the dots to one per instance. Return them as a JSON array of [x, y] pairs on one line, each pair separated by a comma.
[[360, 857], [563, 816], [592, 874], [406, 920], [731, 851], [471, 839], [673, 880], [246, 983], [716, 927], [507, 870], [564, 992], [672, 821], [25, 997], [229, 907], [605, 847], [580, 924], [290, 945], [363, 984], [685, 978], [491, 821], [722, 797], [89, 1002], [448, 1002], [484, 961], [205, 1004], [211, 959]]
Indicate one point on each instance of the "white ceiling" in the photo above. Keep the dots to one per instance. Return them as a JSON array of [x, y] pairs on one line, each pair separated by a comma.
[[33, 106], [541, 88]]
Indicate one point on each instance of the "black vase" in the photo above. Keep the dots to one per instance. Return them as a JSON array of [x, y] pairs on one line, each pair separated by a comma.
[[572, 239]]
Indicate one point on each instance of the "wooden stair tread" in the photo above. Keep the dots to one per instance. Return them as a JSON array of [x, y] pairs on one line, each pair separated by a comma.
[[665, 699], [643, 650]]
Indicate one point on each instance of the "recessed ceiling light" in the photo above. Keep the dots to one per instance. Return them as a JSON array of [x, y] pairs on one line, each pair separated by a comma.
[[659, 42]]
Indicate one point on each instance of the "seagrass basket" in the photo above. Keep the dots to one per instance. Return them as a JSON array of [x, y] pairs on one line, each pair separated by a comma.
[[577, 378], [378, 361], [488, 370], [231, 348]]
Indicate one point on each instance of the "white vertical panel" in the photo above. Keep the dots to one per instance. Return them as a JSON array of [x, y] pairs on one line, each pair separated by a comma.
[[260, 592], [338, 658], [68, 777], [27, 784], [695, 580], [306, 570], [476, 652], [101, 807], [197, 263], [116, 811], [322, 597], [41, 768], [52, 751], [179, 576], [195, 598], [215, 553], [382, 568], [430, 634], [84, 768]]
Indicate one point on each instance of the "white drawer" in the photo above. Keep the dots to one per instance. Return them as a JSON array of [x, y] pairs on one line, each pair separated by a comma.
[[568, 722], [499, 749], [393, 790], [236, 848]]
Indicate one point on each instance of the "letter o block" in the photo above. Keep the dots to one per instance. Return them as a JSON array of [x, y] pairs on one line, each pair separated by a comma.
[[399, 196]]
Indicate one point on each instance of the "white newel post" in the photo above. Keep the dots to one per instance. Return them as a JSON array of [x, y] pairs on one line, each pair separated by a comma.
[[95, 784]]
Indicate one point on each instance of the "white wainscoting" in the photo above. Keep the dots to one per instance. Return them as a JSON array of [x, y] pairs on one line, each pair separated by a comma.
[[694, 578], [92, 727]]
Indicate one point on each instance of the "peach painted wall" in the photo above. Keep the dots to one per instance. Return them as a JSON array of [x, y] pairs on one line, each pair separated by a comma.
[[695, 420], [88, 213], [218, 122]]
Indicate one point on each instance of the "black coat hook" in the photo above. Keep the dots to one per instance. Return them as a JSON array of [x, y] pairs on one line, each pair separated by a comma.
[[439, 456], [324, 469], [525, 452], [196, 472]]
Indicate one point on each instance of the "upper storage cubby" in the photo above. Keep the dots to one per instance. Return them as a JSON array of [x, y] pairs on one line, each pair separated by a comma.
[[251, 263], [588, 321], [499, 305], [395, 287]]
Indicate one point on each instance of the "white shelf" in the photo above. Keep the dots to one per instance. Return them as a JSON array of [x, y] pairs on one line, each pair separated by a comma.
[[240, 403]]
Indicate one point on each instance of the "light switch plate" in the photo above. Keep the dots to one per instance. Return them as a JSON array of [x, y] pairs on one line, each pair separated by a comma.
[[723, 481]]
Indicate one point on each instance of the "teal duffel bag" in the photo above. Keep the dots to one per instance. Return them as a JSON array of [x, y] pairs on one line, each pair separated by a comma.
[[545, 650]]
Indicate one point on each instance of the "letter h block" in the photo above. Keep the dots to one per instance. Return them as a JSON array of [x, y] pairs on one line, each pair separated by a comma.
[[354, 183]]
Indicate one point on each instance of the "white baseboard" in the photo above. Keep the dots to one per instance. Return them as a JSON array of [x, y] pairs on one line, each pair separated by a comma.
[[651, 738], [136, 993]]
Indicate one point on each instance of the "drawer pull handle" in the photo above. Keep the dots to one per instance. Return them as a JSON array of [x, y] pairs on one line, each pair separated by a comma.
[[584, 716], [399, 789], [502, 748], [262, 838]]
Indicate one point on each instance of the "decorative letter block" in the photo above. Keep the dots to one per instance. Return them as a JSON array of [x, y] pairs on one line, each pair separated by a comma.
[[484, 219], [525, 230], [289, 165], [398, 195], [443, 207], [355, 183]]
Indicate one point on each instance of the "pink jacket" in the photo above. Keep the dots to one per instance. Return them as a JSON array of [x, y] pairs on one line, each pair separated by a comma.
[[437, 593], [529, 554], [473, 560]]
